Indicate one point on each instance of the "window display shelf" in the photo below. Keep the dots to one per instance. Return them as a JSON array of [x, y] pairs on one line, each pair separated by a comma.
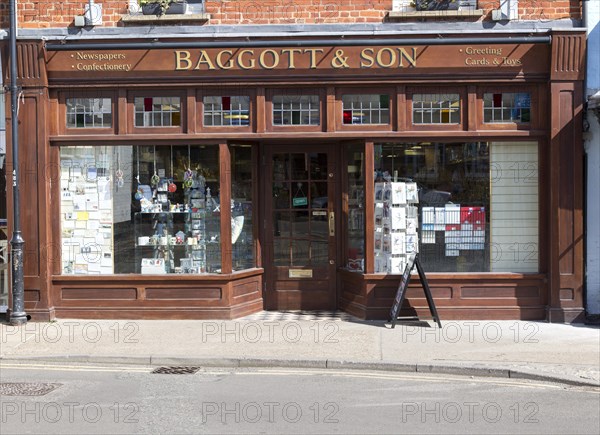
[[176, 242]]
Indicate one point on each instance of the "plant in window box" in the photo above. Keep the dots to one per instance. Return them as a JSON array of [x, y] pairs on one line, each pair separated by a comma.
[[161, 7], [436, 5]]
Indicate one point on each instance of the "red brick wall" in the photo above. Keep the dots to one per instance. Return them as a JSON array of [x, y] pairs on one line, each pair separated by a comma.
[[53, 13]]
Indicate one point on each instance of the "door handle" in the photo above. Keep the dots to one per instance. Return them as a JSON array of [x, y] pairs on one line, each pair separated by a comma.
[[331, 223]]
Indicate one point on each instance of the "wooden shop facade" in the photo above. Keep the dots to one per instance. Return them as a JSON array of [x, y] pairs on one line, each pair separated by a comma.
[[212, 179]]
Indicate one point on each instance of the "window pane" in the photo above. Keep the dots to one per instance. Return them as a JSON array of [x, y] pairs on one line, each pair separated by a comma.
[[157, 111], [131, 210], [356, 211], [436, 109], [242, 236], [89, 112], [296, 110], [366, 109], [475, 206], [230, 111], [506, 107]]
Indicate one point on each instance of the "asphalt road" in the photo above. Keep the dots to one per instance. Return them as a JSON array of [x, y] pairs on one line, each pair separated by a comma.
[[88, 399]]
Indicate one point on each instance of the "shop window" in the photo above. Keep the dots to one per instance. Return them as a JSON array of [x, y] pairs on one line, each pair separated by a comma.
[[506, 107], [140, 210], [226, 110], [356, 210], [465, 207], [157, 111], [242, 193], [296, 110], [436, 108], [366, 109], [89, 112]]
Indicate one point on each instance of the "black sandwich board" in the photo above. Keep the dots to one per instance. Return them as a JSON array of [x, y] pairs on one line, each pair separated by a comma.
[[413, 260]]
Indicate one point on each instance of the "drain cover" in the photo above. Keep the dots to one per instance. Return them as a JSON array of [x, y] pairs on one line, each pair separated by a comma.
[[26, 388], [176, 370]]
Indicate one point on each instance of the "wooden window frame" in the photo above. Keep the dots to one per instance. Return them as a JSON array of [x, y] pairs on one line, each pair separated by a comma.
[[339, 109], [320, 92], [233, 91], [131, 96], [63, 96], [534, 122], [463, 102]]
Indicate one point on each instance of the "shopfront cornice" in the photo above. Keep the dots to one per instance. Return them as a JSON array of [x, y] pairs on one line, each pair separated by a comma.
[[323, 42]]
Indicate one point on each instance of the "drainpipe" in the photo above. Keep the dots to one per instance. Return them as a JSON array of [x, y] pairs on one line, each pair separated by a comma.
[[18, 315]]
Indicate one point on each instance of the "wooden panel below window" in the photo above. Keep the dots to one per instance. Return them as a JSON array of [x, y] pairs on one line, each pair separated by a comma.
[[497, 292], [456, 297], [99, 293], [31, 295], [245, 289], [567, 294], [183, 293], [143, 297]]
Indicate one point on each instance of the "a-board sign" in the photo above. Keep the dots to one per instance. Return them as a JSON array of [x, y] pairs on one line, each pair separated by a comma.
[[401, 292], [413, 260]]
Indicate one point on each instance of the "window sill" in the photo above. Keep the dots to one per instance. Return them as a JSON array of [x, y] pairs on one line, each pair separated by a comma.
[[166, 18], [407, 15]]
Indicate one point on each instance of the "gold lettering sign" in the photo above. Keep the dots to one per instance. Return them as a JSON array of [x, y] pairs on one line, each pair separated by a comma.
[[102, 61], [293, 58], [489, 57]]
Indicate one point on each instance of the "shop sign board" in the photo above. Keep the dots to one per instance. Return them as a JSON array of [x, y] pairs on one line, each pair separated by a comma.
[[286, 61]]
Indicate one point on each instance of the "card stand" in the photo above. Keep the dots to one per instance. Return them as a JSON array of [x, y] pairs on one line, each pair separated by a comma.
[[396, 225], [86, 217]]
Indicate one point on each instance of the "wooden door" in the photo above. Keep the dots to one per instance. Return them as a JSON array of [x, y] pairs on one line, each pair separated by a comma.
[[300, 210]]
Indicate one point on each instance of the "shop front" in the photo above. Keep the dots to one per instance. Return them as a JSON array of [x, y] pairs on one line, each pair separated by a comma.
[[215, 179]]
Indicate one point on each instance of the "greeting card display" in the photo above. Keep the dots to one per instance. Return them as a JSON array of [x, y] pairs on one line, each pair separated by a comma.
[[396, 225]]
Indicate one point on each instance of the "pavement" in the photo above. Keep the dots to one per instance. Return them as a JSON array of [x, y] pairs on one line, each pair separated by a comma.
[[562, 353]]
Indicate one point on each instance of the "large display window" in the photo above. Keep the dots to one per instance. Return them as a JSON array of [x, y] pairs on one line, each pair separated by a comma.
[[477, 205], [150, 210]]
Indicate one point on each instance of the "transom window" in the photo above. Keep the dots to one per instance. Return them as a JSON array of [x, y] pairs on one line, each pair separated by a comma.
[[89, 113], [506, 107], [436, 108], [234, 110], [366, 109], [296, 110], [157, 111]]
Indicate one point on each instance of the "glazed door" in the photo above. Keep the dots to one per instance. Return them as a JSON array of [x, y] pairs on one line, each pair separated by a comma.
[[300, 228]]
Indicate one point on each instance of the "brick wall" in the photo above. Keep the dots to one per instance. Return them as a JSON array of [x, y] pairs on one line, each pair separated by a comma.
[[53, 13]]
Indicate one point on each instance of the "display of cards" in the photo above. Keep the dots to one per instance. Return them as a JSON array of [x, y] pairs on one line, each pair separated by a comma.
[[396, 265], [378, 241], [411, 225], [379, 191], [412, 243], [398, 218], [387, 192], [378, 215], [398, 193], [386, 245], [398, 242], [412, 193]]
